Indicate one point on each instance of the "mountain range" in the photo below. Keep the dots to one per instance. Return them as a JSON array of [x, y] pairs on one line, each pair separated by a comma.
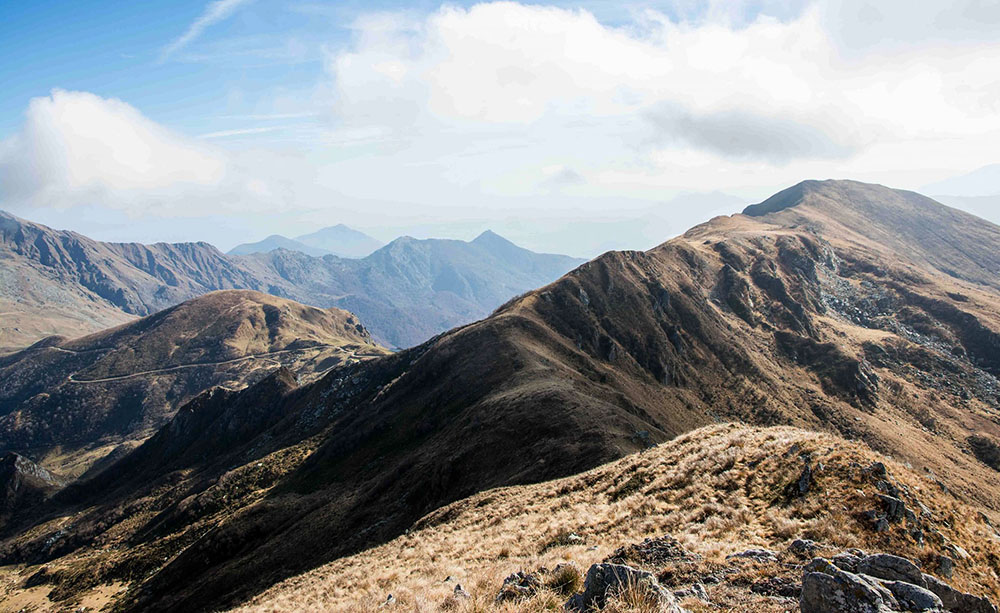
[[338, 240], [59, 282], [867, 313]]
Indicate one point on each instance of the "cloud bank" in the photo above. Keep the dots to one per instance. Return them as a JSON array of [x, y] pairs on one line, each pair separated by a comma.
[[514, 108]]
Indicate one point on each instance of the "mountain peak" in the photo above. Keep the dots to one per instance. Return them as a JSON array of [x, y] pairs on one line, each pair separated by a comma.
[[489, 236]]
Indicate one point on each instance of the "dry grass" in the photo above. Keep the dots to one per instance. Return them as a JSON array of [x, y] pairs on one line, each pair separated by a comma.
[[718, 490]]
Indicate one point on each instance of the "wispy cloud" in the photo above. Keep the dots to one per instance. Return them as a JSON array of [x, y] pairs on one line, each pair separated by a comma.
[[241, 132], [214, 13]]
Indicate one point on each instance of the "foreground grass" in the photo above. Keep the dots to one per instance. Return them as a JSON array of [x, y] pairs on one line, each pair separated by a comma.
[[718, 490]]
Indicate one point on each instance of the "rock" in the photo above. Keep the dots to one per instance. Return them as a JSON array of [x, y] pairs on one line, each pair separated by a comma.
[[696, 590], [656, 551], [605, 580], [519, 586], [777, 586], [828, 589], [891, 568], [847, 561], [956, 601], [805, 480], [895, 509], [389, 601], [914, 598], [803, 547], [757, 555], [945, 566], [461, 593]]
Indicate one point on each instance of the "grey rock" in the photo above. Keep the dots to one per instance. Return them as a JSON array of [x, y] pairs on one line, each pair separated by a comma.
[[460, 592], [891, 568], [605, 580], [914, 598], [828, 589], [956, 601], [945, 566], [846, 561], [803, 547], [696, 590], [757, 555], [895, 509]]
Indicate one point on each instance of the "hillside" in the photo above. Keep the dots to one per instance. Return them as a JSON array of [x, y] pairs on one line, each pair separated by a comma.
[[56, 282], [714, 492], [69, 402], [796, 314]]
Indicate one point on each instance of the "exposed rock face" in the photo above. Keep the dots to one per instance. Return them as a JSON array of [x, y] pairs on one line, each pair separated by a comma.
[[882, 583], [23, 482], [605, 580], [891, 568]]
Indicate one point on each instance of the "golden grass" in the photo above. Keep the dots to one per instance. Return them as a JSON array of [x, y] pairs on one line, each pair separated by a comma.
[[718, 490]]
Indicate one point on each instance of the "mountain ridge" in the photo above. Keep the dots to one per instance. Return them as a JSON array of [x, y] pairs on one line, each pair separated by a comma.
[[58, 282], [791, 318]]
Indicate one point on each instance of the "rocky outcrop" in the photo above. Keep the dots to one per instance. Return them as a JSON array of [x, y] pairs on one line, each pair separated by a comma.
[[880, 583], [607, 580]]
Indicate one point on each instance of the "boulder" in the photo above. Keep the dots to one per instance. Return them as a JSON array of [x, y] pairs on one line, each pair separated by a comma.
[[604, 580], [914, 598], [891, 568], [846, 560], [828, 589], [460, 592], [956, 601], [803, 547], [696, 590]]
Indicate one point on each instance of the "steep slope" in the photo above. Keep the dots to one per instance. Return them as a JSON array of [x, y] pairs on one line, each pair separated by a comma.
[[717, 491], [57, 282], [342, 241], [54, 282], [783, 317], [67, 402], [276, 241]]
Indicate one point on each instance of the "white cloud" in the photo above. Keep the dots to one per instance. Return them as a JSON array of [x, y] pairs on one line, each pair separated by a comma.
[[214, 13], [664, 103], [77, 148]]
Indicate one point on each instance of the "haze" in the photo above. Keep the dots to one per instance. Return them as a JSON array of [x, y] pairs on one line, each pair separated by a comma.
[[570, 127]]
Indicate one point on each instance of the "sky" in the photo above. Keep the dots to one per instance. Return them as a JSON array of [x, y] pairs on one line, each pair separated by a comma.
[[572, 127]]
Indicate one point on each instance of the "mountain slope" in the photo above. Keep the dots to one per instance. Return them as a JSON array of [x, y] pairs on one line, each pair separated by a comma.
[[276, 241], [68, 402], [55, 282], [341, 241], [779, 317], [718, 491]]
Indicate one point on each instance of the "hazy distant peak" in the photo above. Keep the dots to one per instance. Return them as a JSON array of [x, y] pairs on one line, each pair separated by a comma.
[[341, 240]]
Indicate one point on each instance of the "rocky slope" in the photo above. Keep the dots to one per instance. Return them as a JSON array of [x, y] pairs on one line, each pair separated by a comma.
[[68, 402], [55, 282], [811, 311], [721, 517]]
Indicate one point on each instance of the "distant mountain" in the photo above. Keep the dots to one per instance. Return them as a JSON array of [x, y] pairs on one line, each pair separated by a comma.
[[57, 282], [68, 402], [342, 241], [276, 241], [984, 181], [853, 309]]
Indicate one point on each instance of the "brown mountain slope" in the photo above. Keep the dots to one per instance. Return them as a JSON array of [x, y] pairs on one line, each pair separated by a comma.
[[67, 402], [744, 318], [718, 490]]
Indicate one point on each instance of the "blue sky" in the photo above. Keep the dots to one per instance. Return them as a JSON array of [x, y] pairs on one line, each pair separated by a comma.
[[233, 119]]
